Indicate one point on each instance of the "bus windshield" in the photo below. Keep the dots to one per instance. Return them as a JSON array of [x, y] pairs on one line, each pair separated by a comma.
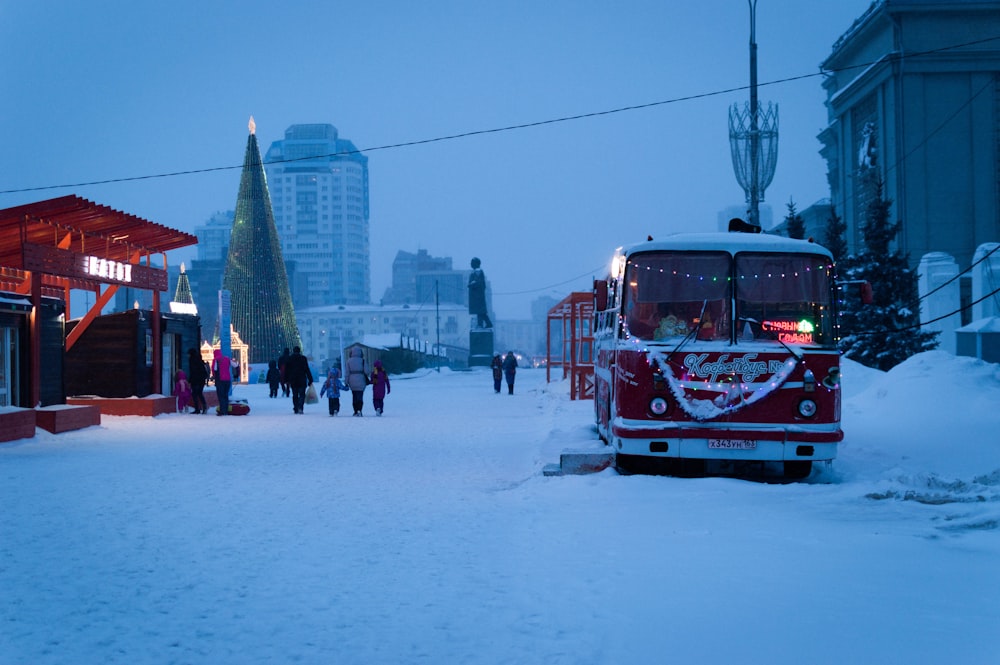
[[671, 294], [784, 297]]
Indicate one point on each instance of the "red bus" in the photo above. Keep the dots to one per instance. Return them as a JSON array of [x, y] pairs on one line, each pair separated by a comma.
[[715, 349]]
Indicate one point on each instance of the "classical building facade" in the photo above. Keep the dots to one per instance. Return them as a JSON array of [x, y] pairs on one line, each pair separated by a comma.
[[913, 98], [327, 330], [319, 193]]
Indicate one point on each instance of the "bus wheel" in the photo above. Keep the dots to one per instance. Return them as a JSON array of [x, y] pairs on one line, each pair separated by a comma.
[[798, 469]]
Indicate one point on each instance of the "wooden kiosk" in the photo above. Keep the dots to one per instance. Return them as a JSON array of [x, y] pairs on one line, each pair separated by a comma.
[[47, 250]]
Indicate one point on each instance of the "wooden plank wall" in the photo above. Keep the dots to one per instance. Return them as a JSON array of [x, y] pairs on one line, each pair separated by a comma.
[[109, 359]]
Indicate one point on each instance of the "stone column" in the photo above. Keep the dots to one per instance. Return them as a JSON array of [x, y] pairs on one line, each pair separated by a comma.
[[934, 271], [986, 279]]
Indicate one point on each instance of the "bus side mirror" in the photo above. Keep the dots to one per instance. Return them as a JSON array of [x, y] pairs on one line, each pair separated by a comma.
[[600, 295]]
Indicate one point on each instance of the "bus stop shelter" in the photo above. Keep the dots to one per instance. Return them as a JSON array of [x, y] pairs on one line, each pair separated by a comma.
[[569, 343]]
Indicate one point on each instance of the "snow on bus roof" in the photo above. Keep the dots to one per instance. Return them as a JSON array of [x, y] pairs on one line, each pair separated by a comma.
[[728, 242]]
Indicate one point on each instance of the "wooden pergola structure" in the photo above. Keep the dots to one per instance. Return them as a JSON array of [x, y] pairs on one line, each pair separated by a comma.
[[573, 318], [52, 247]]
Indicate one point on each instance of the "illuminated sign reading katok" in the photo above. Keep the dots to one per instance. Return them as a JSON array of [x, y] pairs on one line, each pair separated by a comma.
[[66, 263], [108, 269]]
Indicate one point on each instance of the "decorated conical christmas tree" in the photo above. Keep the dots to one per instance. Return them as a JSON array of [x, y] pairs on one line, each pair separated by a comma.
[[261, 302], [183, 292], [183, 302]]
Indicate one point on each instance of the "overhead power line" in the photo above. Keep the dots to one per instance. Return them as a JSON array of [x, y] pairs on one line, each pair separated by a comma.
[[924, 323], [508, 128]]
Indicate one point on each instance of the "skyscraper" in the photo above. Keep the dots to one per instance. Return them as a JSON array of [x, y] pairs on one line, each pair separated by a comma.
[[319, 190], [421, 278], [262, 311], [206, 271]]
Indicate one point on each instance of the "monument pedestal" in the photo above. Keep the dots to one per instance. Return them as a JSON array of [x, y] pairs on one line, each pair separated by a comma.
[[480, 347]]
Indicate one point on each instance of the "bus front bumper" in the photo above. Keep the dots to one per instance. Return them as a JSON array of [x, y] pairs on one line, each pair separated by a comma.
[[735, 442]]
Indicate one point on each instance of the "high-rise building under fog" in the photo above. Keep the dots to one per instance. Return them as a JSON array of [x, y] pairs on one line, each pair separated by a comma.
[[319, 193]]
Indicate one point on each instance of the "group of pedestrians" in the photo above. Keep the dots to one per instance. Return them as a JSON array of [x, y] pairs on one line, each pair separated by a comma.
[[292, 375], [358, 379], [190, 387], [504, 369]]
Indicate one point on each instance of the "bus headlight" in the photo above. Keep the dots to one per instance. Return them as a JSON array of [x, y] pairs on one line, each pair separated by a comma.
[[807, 408], [658, 406]]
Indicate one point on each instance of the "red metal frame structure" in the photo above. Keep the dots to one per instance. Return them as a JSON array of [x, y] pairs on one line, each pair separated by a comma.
[[575, 316], [52, 247]]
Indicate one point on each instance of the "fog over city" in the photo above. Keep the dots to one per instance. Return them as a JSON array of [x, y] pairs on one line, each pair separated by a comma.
[[122, 92]]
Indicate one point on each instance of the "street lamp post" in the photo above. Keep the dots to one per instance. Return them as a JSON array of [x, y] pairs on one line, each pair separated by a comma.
[[753, 137]]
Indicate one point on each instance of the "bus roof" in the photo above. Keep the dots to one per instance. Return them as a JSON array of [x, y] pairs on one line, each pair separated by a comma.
[[727, 242]]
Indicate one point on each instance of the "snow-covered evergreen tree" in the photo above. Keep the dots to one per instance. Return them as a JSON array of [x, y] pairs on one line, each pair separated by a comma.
[[834, 238], [887, 331], [795, 225]]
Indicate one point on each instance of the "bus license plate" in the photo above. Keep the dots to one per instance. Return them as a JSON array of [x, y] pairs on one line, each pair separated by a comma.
[[732, 444]]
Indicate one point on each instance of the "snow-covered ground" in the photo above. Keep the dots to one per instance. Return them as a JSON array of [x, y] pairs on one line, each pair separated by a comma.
[[430, 535]]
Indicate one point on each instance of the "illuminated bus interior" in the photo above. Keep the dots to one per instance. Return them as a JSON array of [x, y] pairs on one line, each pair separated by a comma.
[[780, 297]]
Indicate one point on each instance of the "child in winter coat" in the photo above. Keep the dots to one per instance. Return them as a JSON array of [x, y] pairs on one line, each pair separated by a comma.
[[273, 378], [182, 389], [331, 388], [380, 387]]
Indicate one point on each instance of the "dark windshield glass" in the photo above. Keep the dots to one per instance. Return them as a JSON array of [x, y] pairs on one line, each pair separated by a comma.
[[669, 294], [784, 297]]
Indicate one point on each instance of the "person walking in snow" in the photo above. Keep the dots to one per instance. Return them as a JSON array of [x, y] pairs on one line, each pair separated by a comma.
[[331, 388], [357, 378], [298, 376], [223, 380], [497, 366], [282, 362], [273, 378], [380, 387], [509, 371], [198, 376]]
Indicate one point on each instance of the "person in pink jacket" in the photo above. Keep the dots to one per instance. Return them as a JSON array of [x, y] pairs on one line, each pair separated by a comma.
[[182, 390], [223, 380]]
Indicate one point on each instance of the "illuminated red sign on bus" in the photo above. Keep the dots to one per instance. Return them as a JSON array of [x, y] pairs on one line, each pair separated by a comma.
[[791, 332]]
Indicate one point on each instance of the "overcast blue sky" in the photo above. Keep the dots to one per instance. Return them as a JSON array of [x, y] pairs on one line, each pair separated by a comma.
[[105, 90]]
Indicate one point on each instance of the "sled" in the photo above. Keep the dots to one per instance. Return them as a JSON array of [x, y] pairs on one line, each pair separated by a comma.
[[237, 407]]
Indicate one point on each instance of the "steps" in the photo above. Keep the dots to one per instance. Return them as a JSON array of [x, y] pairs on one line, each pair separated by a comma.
[[580, 462]]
